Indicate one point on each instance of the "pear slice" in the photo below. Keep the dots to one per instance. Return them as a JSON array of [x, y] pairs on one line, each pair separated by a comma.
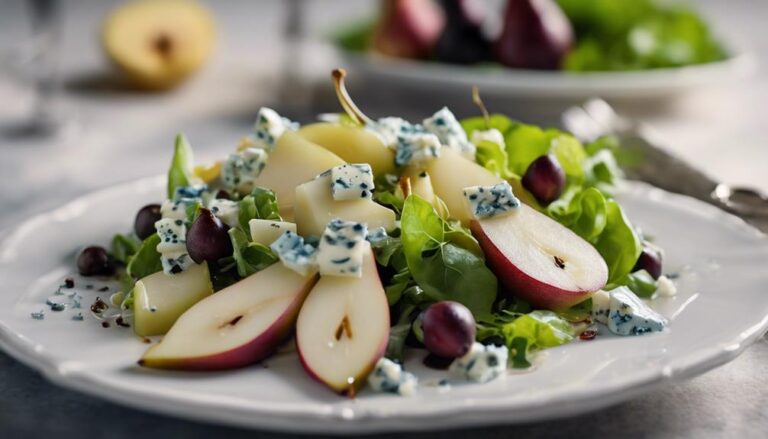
[[294, 161], [315, 207], [353, 144], [240, 325], [160, 298], [540, 260], [343, 328]]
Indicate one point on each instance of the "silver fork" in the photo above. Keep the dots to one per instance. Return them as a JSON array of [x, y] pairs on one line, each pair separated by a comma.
[[660, 167]]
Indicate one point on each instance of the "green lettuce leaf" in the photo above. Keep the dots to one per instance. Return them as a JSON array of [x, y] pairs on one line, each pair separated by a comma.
[[260, 204], [640, 282], [249, 257], [525, 333], [583, 211], [181, 172], [442, 269], [493, 157], [146, 260], [123, 247], [618, 244]]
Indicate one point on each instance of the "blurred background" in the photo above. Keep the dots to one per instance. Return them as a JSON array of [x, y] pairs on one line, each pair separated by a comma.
[[85, 102]]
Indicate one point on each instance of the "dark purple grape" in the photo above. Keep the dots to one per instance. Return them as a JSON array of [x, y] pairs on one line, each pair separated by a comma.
[[449, 329], [536, 35], [650, 261], [207, 238], [545, 179], [223, 195], [95, 261], [146, 217], [462, 41]]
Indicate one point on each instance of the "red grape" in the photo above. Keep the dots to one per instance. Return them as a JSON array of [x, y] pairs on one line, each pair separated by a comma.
[[95, 261], [545, 179], [146, 217], [449, 329], [650, 261], [207, 238]]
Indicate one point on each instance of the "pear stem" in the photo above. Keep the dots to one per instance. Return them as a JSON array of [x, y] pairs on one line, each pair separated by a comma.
[[479, 103], [346, 102]]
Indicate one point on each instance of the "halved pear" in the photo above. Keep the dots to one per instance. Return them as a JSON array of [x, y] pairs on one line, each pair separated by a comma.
[[450, 174], [160, 298], [294, 161], [159, 43], [315, 207], [539, 260], [421, 185], [343, 328], [240, 325], [353, 144]]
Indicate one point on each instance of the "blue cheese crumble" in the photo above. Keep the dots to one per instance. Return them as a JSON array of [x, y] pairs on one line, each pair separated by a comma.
[[412, 143], [377, 235], [388, 376], [624, 313], [482, 363], [352, 182], [488, 201], [243, 167], [189, 193], [388, 130], [445, 126], [227, 211], [295, 254], [268, 128], [173, 245], [174, 209], [341, 248], [601, 306]]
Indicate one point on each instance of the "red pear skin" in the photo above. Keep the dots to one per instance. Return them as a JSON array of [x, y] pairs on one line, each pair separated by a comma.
[[538, 293]]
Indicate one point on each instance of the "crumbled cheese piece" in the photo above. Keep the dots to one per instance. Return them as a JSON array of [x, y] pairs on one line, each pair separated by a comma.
[[629, 315], [388, 130], [352, 182], [189, 193], [666, 287], [601, 306], [294, 254], [482, 363], [412, 142], [488, 201], [490, 135], [444, 124], [227, 211], [416, 148], [243, 167], [388, 376], [377, 235], [269, 126], [341, 248], [173, 245], [174, 209], [266, 232]]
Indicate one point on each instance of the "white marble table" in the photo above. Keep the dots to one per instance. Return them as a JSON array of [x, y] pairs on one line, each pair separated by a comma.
[[116, 135]]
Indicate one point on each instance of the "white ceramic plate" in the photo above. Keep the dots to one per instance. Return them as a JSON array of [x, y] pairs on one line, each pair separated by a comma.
[[721, 308], [552, 85]]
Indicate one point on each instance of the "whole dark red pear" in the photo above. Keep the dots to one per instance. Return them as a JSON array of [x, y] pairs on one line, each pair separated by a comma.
[[536, 35]]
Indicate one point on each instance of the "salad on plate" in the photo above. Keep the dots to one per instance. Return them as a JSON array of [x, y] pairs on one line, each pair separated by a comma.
[[569, 35], [476, 243]]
